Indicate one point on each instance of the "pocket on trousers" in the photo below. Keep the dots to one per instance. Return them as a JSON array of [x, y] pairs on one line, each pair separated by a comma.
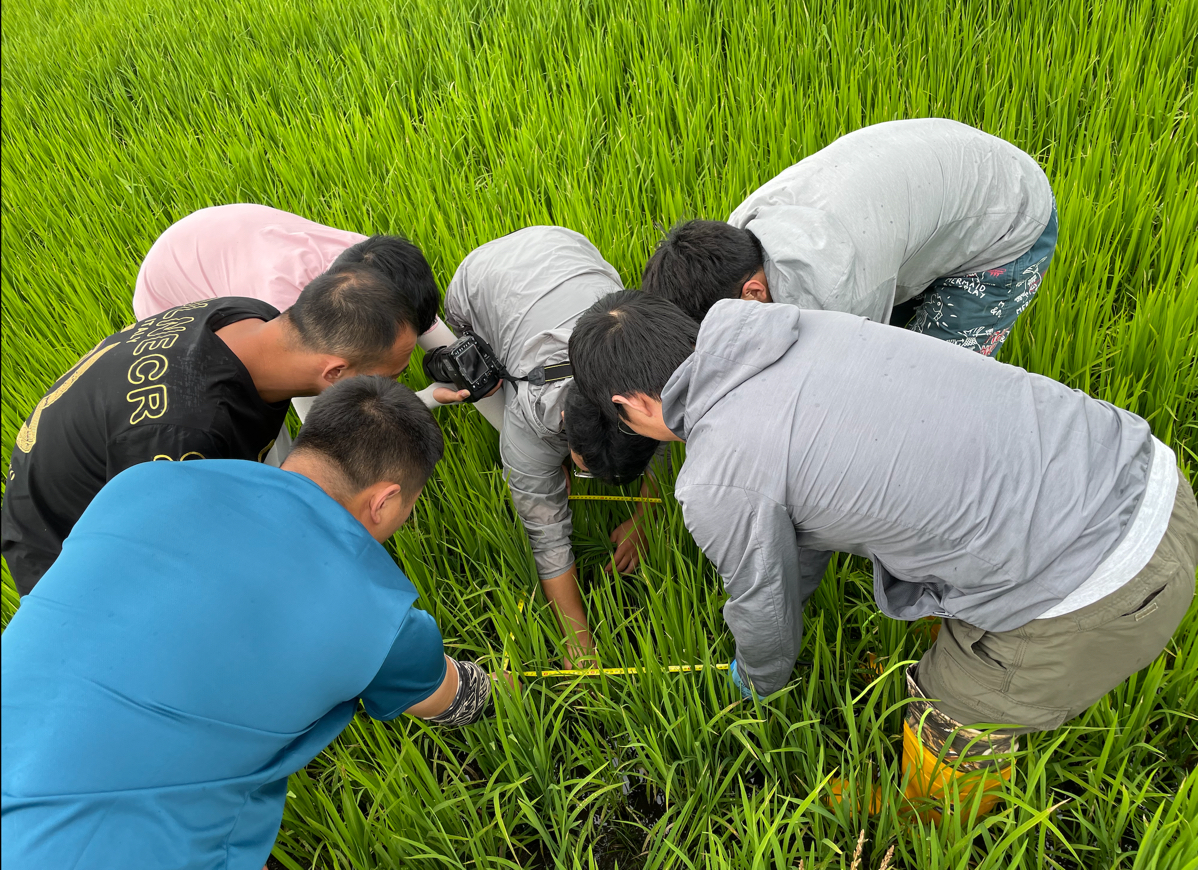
[[1129, 609], [1147, 607], [973, 642]]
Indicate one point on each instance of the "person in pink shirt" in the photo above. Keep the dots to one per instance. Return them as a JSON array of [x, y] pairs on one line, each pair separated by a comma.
[[245, 249]]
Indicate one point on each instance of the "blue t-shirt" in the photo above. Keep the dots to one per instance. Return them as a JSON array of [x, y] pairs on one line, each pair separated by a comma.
[[206, 631]]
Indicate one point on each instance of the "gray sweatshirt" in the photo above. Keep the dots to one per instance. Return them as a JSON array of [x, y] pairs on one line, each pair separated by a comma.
[[874, 218], [980, 491], [522, 294]]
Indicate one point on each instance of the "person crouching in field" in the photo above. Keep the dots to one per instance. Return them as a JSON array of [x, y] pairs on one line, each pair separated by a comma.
[[245, 249], [208, 629], [206, 380], [521, 295], [1051, 531], [928, 224]]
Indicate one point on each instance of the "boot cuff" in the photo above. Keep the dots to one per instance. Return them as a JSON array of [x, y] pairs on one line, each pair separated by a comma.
[[968, 746]]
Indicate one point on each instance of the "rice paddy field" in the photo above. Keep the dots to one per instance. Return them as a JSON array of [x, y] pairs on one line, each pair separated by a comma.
[[456, 122]]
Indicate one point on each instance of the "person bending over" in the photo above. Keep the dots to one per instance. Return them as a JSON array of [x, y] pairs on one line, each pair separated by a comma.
[[928, 224], [209, 628], [251, 250], [206, 380], [521, 295], [1051, 531]]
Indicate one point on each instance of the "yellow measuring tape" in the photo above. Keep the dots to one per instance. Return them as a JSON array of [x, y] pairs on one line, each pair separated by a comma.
[[598, 672], [615, 498]]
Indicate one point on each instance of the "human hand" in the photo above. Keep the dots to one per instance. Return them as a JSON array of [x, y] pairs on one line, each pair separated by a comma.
[[629, 538], [446, 396], [578, 658], [509, 678]]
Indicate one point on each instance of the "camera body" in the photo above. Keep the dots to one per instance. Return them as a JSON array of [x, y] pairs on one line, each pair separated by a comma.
[[468, 364]]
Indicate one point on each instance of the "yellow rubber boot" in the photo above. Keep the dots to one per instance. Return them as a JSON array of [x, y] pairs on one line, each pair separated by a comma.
[[874, 797], [928, 778], [934, 770]]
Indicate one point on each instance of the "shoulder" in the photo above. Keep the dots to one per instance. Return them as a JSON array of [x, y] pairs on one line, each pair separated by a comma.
[[231, 309]]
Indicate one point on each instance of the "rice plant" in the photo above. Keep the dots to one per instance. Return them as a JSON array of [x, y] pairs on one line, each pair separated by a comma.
[[457, 122]]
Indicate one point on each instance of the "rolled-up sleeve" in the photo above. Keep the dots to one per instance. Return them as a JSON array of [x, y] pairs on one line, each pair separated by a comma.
[[533, 467], [752, 542]]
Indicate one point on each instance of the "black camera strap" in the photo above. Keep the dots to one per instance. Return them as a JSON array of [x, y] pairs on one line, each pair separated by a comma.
[[542, 375]]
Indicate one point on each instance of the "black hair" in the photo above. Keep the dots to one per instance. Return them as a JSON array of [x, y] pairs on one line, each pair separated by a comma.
[[611, 455], [699, 263], [629, 342], [405, 266], [353, 312], [374, 429]]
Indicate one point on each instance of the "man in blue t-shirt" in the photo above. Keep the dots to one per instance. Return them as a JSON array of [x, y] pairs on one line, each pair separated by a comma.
[[207, 630]]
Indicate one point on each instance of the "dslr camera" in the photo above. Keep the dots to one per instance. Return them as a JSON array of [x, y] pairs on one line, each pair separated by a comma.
[[468, 364]]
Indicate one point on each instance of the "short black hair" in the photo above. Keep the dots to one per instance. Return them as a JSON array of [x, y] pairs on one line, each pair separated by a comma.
[[611, 455], [405, 266], [374, 429], [699, 263], [629, 342], [353, 312]]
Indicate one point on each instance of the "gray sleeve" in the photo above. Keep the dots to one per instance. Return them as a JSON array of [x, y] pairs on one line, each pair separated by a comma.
[[457, 301], [533, 467], [752, 542]]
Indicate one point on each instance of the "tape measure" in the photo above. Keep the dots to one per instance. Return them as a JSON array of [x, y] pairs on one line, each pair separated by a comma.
[[645, 499], [596, 672]]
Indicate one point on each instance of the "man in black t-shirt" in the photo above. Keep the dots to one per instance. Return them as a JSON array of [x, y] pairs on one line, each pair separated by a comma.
[[208, 380]]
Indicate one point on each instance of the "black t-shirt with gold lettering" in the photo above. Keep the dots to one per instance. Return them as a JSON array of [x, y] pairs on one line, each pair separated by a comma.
[[166, 388]]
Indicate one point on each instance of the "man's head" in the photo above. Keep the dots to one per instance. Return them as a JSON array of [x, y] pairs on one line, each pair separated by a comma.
[[701, 262], [623, 351], [599, 447], [404, 265], [372, 445], [356, 321]]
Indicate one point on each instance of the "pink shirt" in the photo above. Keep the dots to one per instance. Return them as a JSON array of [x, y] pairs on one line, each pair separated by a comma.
[[236, 250]]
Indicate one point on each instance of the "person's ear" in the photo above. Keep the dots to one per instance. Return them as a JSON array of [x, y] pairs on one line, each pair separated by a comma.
[[635, 402], [381, 504], [756, 289], [335, 368]]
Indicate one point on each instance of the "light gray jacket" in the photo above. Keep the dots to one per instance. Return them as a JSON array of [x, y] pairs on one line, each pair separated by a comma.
[[522, 294], [878, 215], [979, 491]]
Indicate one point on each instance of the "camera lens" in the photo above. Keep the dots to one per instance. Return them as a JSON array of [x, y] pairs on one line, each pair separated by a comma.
[[439, 366]]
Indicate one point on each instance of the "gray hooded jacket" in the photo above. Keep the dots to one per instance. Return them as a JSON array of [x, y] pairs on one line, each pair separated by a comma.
[[522, 294], [874, 218], [980, 491]]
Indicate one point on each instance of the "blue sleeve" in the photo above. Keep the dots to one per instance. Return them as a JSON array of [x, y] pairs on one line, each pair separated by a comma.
[[413, 669]]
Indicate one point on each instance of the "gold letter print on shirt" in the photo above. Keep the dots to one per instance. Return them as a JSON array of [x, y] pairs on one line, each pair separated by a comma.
[[27, 437], [150, 401]]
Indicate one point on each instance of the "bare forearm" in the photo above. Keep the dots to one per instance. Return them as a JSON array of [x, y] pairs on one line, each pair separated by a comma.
[[648, 490], [566, 601]]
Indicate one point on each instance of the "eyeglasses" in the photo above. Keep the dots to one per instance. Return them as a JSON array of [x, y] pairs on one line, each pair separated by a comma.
[[624, 429], [585, 475]]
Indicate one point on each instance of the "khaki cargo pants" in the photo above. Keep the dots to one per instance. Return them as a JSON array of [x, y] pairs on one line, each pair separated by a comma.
[[1042, 674]]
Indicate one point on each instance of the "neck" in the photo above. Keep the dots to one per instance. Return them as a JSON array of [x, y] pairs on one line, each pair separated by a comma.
[[320, 472], [279, 368]]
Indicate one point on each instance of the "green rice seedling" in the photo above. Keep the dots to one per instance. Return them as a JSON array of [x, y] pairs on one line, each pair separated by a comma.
[[458, 122]]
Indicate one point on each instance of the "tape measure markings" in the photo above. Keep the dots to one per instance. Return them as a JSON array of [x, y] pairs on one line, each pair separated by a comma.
[[595, 672]]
